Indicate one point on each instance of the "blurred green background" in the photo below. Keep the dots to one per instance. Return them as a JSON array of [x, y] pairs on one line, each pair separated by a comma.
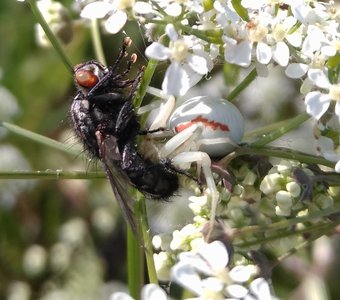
[[57, 237]]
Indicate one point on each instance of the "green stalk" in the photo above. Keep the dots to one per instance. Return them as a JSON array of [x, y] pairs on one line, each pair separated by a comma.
[[145, 230], [135, 265], [280, 235], [277, 152], [148, 249], [51, 174], [96, 40], [313, 237], [52, 38], [39, 138], [243, 85], [145, 82], [288, 223], [292, 124], [263, 131]]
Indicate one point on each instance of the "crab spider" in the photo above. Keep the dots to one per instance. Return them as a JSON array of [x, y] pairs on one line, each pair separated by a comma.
[[204, 126]]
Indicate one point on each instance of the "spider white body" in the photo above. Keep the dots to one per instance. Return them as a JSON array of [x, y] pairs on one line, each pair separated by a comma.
[[222, 125], [205, 126]]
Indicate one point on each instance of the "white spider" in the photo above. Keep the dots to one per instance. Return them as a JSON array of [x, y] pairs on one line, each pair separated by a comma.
[[204, 126]]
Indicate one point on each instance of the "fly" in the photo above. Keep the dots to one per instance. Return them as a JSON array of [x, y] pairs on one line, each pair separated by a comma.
[[104, 120]]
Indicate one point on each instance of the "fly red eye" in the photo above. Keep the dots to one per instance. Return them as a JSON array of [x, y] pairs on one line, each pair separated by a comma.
[[86, 78]]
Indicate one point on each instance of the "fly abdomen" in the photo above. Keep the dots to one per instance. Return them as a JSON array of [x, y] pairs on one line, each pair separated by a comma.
[[156, 180]]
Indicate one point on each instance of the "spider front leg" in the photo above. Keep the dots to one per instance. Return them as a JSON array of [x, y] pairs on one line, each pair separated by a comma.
[[181, 149]]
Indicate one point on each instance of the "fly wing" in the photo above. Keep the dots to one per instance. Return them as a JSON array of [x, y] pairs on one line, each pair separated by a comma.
[[109, 153]]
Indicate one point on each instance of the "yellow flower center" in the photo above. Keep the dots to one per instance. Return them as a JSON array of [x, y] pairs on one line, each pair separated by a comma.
[[334, 92], [257, 33], [179, 50], [279, 32]]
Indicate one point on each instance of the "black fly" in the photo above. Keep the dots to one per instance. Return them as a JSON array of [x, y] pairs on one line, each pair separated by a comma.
[[104, 119]]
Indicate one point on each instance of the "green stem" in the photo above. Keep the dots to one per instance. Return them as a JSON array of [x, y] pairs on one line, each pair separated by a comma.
[[145, 82], [263, 131], [52, 38], [135, 265], [39, 138], [213, 37], [288, 223], [142, 213], [243, 85], [280, 235], [96, 40], [51, 174], [277, 152], [323, 231], [292, 124]]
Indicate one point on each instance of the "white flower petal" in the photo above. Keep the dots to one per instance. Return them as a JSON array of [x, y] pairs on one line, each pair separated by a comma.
[[176, 80], [157, 51], [153, 292], [331, 155], [328, 51], [337, 167], [197, 63], [263, 53], [240, 273], [306, 86], [116, 22], [289, 22], [295, 70], [215, 254], [212, 284], [281, 54], [239, 54], [261, 289], [237, 291], [171, 32], [142, 8], [317, 104], [299, 10], [197, 262], [185, 275], [319, 78], [295, 39], [251, 4], [194, 77], [174, 9], [96, 10], [313, 40]]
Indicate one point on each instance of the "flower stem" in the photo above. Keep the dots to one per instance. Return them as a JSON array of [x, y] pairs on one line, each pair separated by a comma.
[[135, 265], [292, 124], [326, 228], [39, 138], [277, 152], [143, 220], [284, 234], [52, 38], [243, 85], [96, 40], [145, 82], [51, 174], [288, 223]]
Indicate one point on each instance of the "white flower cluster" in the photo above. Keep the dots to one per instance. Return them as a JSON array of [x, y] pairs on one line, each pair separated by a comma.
[[204, 271], [293, 188]]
